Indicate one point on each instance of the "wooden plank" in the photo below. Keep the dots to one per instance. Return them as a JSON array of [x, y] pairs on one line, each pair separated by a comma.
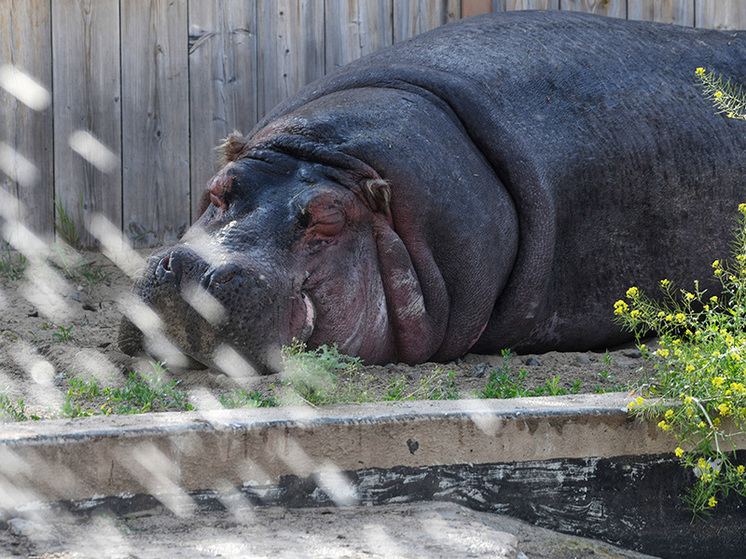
[[85, 34], [475, 7], [510, 5], [26, 118], [721, 14], [412, 17], [612, 8], [222, 81], [155, 121], [356, 28], [291, 48], [679, 12]]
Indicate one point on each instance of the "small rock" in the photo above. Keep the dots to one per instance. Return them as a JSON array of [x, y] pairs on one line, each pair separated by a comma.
[[583, 360], [392, 369], [633, 353], [478, 371], [75, 297], [89, 307], [531, 362]]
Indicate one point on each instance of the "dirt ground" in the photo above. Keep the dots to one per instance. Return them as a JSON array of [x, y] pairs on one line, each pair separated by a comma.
[[59, 322]]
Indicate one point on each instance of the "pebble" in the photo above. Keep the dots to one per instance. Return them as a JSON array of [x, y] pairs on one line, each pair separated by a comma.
[[633, 353], [583, 360], [531, 362], [478, 371]]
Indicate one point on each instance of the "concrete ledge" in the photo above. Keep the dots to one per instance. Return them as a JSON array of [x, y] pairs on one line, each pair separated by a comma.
[[575, 464], [127, 455]]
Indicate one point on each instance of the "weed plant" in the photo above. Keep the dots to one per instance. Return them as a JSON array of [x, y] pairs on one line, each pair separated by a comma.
[[247, 399], [140, 394], [12, 264], [729, 98], [322, 376], [699, 385], [65, 225], [10, 411], [504, 384], [431, 387]]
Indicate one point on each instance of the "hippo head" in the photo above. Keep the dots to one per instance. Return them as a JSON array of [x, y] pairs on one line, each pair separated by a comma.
[[285, 249]]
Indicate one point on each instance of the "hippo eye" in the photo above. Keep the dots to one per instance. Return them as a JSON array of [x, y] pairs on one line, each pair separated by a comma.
[[326, 220]]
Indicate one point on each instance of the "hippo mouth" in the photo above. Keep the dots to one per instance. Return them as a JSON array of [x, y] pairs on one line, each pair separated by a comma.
[[309, 319]]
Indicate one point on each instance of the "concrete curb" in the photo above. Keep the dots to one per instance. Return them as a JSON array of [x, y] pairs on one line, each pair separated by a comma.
[[102, 456]]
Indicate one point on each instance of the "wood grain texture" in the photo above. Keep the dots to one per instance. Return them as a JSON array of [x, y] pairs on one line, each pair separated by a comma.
[[222, 81], [511, 5], [291, 48], [355, 28], [611, 8], [720, 14], [87, 100], [155, 129], [679, 12], [412, 17], [25, 45]]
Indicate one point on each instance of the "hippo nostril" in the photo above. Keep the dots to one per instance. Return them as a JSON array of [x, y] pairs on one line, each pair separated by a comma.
[[221, 275], [168, 269]]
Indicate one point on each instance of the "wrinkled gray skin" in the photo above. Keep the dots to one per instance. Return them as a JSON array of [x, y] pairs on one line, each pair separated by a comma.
[[496, 183]]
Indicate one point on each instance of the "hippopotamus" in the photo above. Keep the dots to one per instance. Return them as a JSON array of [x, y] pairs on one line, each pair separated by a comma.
[[498, 182]]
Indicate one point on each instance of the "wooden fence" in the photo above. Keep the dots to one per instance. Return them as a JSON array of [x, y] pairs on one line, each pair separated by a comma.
[[129, 97]]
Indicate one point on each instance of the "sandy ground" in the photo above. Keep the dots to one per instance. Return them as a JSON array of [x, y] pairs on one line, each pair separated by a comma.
[[56, 324]]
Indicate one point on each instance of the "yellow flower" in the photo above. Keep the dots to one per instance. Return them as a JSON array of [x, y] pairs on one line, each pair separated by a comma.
[[712, 502], [632, 292], [669, 413], [724, 408], [620, 307], [718, 382], [705, 477], [689, 296], [714, 299], [688, 400], [689, 368], [663, 425], [680, 317], [716, 264], [740, 470], [700, 71], [679, 452], [665, 283], [742, 208], [662, 352], [703, 464], [718, 94]]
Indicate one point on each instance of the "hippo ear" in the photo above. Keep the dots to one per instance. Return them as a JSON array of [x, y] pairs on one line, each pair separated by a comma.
[[233, 148], [378, 194]]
